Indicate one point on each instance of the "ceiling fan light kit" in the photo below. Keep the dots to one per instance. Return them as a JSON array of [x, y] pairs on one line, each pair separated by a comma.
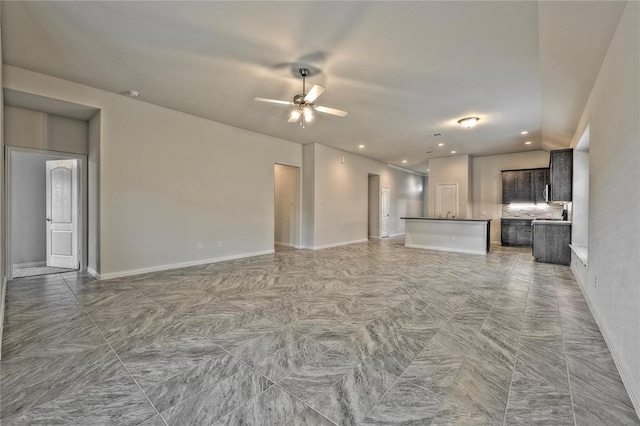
[[304, 103], [468, 122]]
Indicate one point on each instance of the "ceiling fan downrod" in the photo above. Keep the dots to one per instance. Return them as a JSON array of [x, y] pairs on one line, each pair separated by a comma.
[[304, 72]]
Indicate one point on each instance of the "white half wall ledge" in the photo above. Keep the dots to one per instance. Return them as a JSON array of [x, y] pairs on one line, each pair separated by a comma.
[[343, 243], [170, 266]]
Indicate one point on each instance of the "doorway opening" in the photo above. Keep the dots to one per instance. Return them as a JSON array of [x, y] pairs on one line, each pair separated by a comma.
[[287, 211], [46, 205]]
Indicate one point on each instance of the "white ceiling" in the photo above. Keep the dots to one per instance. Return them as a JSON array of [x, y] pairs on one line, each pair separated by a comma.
[[403, 70]]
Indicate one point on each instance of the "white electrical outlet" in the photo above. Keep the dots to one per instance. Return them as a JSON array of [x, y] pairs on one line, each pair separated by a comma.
[[199, 246], [219, 244]]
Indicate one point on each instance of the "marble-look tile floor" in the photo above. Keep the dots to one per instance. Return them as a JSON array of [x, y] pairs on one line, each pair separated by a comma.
[[366, 334]]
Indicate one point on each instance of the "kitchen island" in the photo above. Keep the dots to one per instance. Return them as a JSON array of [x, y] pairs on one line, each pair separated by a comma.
[[457, 235]]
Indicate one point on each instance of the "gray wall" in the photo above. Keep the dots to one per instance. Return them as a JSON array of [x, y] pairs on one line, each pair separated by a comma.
[[340, 191], [374, 206], [614, 200], [93, 172], [38, 130], [170, 181], [2, 230], [28, 207]]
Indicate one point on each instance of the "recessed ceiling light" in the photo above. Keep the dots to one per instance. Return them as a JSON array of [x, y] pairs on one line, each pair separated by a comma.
[[133, 93], [524, 132], [527, 143], [360, 146], [440, 144], [427, 169], [404, 161], [453, 152], [468, 122]]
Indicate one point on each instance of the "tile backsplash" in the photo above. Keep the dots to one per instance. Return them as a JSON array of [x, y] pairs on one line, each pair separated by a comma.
[[531, 211]]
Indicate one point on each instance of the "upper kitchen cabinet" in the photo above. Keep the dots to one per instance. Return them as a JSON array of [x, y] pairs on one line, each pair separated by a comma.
[[509, 186], [520, 186], [561, 172], [540, 182]]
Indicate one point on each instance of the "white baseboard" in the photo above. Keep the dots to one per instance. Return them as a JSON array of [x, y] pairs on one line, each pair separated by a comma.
[[281, 243], [396, 235], [2, 299], [167, 267], [31, 264], [344, 243], [93, 273], [454, 250], [610, 343], [374, 237]]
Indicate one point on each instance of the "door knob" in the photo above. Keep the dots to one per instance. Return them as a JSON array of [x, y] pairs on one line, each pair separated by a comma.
[[48, 219]]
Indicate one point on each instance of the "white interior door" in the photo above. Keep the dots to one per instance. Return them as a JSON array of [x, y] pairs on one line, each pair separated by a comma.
[[384, 201], [62, 213], [447, 200]]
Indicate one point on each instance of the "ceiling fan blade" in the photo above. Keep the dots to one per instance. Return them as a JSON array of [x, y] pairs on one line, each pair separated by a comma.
[[273, 101], [314, 93], [332, 111], [295, 115]]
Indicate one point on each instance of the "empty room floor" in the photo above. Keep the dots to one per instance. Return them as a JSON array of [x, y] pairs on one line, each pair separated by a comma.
[[364, 334]]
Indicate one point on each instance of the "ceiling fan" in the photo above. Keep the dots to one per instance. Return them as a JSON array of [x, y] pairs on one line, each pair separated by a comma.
[[304, 103]]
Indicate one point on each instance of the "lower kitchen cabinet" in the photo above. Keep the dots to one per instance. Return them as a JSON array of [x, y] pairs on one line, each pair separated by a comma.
[[551, 242], [516, 232]]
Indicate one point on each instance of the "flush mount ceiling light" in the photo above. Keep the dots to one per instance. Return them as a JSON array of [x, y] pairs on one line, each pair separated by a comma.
[[527, 143], [453, 152], [133, 93], [440, 144], [468, 122], [404, 161], [361, 146], [524, 132]]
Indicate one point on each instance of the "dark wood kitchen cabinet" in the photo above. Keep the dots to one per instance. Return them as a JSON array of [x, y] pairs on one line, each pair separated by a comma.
[[561, 172], [540, 182], [524, 186], [551, 243], [516, 232], [509, 187]]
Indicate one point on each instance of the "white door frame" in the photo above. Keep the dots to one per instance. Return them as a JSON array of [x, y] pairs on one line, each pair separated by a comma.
[[82, 203]]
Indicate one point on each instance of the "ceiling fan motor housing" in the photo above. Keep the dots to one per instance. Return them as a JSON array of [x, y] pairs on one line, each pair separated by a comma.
[[299, 100]]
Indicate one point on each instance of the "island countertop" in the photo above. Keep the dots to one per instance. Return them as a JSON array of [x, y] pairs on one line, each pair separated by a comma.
[[450, 219]]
